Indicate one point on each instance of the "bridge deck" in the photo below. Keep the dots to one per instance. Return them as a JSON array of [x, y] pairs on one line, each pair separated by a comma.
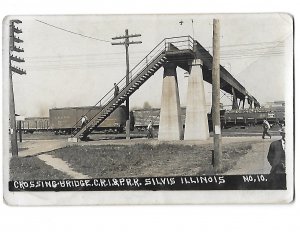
[[182, 58]]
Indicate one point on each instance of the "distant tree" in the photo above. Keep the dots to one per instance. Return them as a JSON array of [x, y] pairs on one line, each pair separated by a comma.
[[135, 108], [147, 105]]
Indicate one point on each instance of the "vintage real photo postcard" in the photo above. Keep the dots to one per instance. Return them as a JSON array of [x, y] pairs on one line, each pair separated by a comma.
[[148, 109]]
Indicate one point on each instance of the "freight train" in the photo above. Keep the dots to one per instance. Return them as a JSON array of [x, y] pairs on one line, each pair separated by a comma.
[[142, 118], [229, 118], [62, 120], [251, 117]]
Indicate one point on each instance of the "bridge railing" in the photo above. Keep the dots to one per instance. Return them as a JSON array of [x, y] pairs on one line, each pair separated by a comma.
[[181, 42]]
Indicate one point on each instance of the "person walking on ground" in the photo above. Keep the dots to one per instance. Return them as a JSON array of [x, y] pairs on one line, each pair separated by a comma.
[[266, 128], [150, 130], [116, 90], [276, 154]]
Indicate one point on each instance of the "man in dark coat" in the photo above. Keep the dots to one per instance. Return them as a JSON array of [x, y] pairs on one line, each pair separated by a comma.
[[116, 92], [276, 155]]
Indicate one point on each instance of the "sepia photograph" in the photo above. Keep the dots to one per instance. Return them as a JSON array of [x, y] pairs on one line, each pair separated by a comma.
[[148, 109]]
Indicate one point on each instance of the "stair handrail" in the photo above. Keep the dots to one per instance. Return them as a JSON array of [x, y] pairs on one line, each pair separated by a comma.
[[110, 92], [111, 98]]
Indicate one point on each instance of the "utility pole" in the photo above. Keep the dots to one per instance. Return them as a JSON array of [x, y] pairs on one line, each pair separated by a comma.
[[126, 42], [14, 69], [216, 96]]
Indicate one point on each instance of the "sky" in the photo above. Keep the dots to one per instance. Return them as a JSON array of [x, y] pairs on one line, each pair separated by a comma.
[[65, 69]]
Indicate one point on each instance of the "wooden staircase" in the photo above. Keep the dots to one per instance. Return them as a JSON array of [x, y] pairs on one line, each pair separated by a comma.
[[114, 102]]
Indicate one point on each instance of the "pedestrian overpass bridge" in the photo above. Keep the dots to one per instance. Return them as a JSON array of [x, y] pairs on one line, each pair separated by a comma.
[[190, 55]]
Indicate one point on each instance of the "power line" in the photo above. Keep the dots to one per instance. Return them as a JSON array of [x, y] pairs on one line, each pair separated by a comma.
[[224, 53], [75, 33], [117, 61], [227, 53], [285, 37], [82, 56]]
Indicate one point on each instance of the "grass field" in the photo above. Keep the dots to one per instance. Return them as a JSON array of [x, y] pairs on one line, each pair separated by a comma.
[[139, 160], [147, 160]]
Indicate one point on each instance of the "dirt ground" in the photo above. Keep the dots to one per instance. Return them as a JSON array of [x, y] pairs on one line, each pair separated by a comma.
[[255, 161]]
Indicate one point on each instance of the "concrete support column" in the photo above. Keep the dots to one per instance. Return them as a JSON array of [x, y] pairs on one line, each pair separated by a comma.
[[244, 103], [235, 105], [196, 123], [250, 103], [170, 125]]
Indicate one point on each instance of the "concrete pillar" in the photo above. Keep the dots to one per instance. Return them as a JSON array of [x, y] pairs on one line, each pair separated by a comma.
[[196, 123], [235, 105], [170, 125]]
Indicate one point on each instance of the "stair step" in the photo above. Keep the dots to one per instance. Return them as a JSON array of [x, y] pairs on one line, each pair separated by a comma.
[[152, 68]]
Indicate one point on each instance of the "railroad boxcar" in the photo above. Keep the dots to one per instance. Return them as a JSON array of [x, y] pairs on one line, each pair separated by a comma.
[[62, 120], [142, 117], [33, 124]]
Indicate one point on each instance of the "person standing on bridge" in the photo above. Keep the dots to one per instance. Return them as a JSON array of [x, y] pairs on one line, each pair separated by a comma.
[[266, 128], [276, 154], [116, 90]]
